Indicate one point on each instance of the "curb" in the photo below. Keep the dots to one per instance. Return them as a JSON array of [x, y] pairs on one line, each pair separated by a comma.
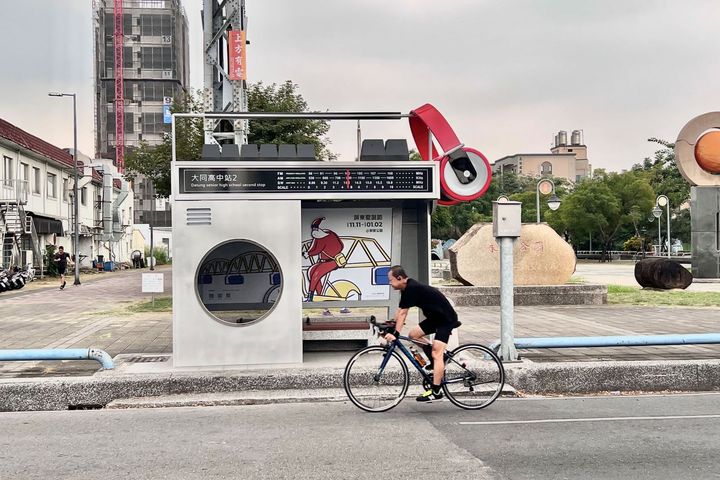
[[68, 393]]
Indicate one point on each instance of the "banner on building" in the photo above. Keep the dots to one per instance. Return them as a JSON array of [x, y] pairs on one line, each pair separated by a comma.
[[167, 115], [236, 54]]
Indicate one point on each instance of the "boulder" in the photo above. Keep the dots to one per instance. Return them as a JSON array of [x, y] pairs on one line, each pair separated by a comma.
[[662, 273], [541, 257]]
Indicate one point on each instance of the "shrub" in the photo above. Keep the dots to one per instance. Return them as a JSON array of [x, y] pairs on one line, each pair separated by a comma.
[[50, 265], [160, 254], [632, 244]]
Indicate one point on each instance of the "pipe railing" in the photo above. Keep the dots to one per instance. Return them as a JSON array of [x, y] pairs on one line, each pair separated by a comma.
[[30, 354], [614, 341]]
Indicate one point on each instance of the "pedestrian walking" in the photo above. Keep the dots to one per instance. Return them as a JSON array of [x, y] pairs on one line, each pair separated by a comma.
[[61, 260]]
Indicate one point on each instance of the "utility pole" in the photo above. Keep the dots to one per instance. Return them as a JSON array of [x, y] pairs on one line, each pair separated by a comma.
[[152, 218]]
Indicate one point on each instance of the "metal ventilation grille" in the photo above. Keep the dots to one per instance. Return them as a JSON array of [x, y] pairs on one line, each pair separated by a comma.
[[148, 359], [198, 216]]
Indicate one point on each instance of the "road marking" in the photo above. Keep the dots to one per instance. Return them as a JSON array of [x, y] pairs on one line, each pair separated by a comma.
[[594, 419]]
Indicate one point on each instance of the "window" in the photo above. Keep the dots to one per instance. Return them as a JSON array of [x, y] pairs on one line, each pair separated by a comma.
[[157, 25], [127, 57], [155, 91], [129, 122], [9, 171], [83, 195], [51, 185], [546, 168], [110, 90], [36, 180], [152, 122], [158, 58], [65, 189], [24, 171]]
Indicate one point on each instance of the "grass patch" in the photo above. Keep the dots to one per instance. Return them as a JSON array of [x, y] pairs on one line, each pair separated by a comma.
[[618, 294], [162, 304]]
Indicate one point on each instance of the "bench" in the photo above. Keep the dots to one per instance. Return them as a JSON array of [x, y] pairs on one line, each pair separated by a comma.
[[336, 331]]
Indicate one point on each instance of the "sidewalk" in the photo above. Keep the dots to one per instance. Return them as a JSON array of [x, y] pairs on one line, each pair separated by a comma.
[[95, 314]]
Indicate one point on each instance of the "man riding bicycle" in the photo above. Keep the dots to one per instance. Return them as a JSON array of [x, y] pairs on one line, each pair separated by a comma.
[[441, 319]]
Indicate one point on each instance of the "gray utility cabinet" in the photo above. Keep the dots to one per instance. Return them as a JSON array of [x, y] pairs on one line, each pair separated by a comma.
[[705, 229]]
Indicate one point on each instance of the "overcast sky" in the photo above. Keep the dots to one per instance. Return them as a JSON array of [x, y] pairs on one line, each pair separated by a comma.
[[506, 74]]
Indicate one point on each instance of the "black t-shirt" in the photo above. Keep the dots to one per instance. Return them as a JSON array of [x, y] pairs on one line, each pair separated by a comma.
[[61, 259], [429, 299]]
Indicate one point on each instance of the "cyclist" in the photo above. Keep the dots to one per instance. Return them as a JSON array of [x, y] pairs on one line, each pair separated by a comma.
[[440, 319]]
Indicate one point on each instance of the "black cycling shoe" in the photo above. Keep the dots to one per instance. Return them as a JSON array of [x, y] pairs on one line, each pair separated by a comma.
[[428, 396]]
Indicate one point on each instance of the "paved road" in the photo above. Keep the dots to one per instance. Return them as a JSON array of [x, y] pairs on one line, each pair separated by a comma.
[[647, 437], [623, 273]]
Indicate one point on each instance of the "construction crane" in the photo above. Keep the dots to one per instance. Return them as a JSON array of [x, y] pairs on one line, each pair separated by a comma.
[[119, 87]]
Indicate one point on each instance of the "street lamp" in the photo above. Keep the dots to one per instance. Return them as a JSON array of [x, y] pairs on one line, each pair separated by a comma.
[[656, 211], [643, 231], [664, 201], [546, 186], [76, 229]]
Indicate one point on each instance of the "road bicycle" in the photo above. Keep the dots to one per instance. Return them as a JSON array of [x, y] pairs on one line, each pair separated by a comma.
[[377, 378]]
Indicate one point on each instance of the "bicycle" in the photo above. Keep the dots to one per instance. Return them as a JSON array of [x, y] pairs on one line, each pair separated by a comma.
[[377, 379]]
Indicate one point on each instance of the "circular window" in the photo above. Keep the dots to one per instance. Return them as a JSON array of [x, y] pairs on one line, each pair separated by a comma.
[[238, 282]]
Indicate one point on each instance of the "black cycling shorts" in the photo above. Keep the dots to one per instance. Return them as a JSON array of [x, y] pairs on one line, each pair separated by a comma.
[[61, 270], [441, 328]]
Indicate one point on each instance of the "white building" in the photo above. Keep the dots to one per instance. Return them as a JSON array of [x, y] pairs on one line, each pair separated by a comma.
[[36, 209], [568, 161]]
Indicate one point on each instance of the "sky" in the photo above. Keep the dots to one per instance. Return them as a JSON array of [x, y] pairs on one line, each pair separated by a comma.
[[507, 75]]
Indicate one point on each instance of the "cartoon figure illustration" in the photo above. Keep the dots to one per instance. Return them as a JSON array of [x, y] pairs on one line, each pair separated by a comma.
[[328, 247]]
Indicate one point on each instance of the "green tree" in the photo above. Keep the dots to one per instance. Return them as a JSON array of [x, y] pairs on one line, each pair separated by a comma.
[[665, 179], [453, 221], [285, 98], [603, 205], [153, 161], [528, 198]]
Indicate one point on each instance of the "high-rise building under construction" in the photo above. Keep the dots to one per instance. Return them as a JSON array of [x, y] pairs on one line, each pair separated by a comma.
[[155, 70]]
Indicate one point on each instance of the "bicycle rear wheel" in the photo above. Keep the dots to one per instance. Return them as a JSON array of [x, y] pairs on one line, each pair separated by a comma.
[[474, 376], [376, 380]]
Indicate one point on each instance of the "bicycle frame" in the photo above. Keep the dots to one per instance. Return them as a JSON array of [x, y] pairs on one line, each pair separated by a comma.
[[427, 376]]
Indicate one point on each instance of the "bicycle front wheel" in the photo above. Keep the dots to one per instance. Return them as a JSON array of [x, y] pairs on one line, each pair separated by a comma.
[[376, 380], [474, 376]]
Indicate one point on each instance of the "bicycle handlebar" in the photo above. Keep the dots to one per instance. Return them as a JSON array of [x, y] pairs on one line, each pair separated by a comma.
[[381, 328]]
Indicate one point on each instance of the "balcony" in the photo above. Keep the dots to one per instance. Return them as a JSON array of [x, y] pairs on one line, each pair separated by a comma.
[[14, 191]]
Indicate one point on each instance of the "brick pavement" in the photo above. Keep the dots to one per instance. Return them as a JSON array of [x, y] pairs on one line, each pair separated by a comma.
[[95, 315], [482, 324]]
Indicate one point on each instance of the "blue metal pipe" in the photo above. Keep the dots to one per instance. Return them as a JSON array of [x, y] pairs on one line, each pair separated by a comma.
[[58, 354], [614, 341]]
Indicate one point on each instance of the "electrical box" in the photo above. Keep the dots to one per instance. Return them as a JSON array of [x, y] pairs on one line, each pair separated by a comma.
[[506, 219]]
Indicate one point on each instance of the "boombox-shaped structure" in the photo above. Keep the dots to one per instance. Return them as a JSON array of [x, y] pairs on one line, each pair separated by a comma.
[[267, 238]]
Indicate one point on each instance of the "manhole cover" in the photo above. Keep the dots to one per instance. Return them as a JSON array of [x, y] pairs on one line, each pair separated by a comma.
[[162, 358]]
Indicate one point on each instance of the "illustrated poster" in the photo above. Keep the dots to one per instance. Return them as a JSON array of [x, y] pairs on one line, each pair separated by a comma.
[[346, 254]]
